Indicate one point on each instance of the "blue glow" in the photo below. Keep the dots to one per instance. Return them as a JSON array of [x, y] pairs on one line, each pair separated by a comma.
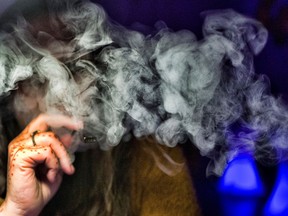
[[241, 178], [239, 206], [277, 204]]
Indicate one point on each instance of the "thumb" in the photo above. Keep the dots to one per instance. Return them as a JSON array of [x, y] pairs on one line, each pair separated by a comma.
[[51, 186]]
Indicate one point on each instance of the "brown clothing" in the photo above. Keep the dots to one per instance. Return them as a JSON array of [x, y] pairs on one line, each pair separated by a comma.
[[154, 193]]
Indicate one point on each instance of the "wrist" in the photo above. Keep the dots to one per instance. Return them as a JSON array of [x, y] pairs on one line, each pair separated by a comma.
[[10, 208]]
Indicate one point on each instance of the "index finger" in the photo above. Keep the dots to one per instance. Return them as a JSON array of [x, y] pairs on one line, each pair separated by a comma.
[[44, 121]]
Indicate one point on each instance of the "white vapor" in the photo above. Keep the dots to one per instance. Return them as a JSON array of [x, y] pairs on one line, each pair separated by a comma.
[[169, 85]]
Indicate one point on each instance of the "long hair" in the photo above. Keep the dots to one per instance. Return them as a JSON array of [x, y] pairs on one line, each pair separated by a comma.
[[100, 186]]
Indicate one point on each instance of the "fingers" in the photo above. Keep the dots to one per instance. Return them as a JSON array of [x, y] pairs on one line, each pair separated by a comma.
[[49, 139], [67, 140], [44, 121], [45, 142], [29, 158], [34, 176], [50, 189], [35, 168], [26, 143]]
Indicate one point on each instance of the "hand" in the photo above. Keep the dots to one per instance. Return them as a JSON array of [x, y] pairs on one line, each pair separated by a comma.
[[35, 169]]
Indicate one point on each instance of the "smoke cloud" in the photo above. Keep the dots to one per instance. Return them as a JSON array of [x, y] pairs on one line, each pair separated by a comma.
[[169, 85]]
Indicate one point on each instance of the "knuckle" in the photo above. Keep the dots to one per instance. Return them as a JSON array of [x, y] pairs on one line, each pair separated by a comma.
[[41, 118], [12, 146], [45, 151]]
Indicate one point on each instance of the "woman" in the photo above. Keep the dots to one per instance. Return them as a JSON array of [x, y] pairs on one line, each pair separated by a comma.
[[137, 177], [118, 82]]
